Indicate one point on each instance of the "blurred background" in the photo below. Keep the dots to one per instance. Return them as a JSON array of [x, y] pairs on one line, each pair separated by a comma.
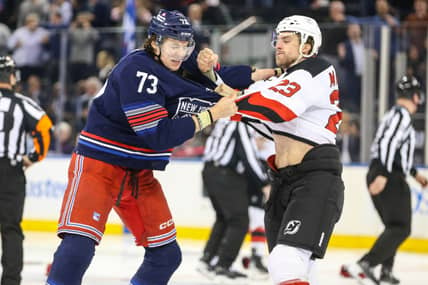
[[66, 48]]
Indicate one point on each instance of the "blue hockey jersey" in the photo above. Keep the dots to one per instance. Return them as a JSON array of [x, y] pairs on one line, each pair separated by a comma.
[[141, 113]]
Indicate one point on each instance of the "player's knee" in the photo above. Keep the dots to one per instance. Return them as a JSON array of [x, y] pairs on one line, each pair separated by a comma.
[[71, 260], [167, 256], [158, 266], [288, 263]]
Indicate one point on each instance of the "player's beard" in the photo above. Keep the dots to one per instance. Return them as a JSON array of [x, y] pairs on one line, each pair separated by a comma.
[[285, 61]]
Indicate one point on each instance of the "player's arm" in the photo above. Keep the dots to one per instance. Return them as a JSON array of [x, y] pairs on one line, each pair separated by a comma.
[[236, 76], [278, 101], [142, 101]]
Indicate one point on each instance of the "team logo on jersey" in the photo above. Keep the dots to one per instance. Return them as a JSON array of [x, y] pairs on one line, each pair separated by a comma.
[[96, 216], [292, 227], [191, 106]]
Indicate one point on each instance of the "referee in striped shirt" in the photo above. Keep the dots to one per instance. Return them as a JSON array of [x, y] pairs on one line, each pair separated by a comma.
[[19, 116], [392, 159], [231, 161]]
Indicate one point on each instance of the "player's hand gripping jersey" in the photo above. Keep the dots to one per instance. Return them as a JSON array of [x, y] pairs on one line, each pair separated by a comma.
[[141, 113], [301, 103]]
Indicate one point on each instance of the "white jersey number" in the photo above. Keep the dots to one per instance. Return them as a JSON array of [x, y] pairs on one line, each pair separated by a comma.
[[153, 84]]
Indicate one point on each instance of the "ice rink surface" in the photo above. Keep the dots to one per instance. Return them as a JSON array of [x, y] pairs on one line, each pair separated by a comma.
[[117, 258]]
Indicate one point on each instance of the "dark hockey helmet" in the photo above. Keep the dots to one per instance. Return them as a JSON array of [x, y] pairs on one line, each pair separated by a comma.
[[7, 64], [171, 24], [407, 86], [8, 67]]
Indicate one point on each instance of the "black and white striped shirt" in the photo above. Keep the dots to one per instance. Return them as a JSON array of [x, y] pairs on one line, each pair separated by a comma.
[[394, 143], [20, 116], [232, 144]]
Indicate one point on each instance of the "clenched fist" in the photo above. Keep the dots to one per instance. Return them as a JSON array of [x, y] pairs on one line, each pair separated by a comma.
[[206, 60], [225, 107]]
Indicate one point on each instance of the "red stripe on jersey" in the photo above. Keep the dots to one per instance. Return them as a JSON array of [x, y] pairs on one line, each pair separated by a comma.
[[282, 111], [236, 118], [148, 119], [119, 144], [147, 114]]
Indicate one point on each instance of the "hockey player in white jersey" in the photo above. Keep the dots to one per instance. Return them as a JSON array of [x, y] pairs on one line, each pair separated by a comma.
[[299, 111]]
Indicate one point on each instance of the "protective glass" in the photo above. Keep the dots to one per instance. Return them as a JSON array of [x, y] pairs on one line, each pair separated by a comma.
[[177, 50]]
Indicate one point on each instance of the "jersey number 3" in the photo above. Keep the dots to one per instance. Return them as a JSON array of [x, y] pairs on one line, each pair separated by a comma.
[[334, 120], [152, 80]]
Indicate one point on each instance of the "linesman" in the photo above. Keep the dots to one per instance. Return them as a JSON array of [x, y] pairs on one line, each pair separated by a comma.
[[19, 116], [392, 160], [230, 159]]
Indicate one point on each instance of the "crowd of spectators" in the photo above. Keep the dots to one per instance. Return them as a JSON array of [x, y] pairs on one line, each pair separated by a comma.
[[38, 33]]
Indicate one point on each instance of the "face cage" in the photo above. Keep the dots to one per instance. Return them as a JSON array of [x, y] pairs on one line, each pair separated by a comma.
[[190, 47]]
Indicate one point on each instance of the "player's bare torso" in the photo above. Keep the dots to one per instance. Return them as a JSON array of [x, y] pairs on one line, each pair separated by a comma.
[[289, 151]]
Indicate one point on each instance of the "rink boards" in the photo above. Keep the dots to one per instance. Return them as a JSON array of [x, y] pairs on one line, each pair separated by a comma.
[[193, 214]]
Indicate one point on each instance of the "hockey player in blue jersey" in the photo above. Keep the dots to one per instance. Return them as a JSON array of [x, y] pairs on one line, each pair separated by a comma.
[[145, 108]]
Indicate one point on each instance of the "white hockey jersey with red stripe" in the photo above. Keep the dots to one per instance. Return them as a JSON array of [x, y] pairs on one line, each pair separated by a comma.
[[302, 103]]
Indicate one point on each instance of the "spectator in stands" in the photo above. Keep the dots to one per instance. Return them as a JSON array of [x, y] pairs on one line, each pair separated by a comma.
[[4, 37], [36, 92], [348, 139], [101, 11], [216, 13], [8, 12], [64, 136], [55, 27], [202, 35], [351, 59], [83, 38], [38, 7], [145, 9], [416, 62], [91, 87], [65, 9], [416, 24], [105, 62], [335, 29], [27, 45], [384, 16]]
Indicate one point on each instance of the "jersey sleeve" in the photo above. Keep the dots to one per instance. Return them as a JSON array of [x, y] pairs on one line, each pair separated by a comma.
[[39, 126], [142, 100], [280, 99], [236, 76]]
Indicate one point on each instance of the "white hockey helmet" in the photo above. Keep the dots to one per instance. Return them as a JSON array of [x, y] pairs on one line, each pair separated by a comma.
[[305, 26]]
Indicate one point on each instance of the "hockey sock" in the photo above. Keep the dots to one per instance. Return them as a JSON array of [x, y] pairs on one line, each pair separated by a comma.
[[158, 266], [71, 260]]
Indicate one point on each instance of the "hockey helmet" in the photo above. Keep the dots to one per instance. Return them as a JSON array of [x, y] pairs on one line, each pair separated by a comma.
[[7, 67], [407, 86], [171, 24], [7, 64], [305, 26]]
